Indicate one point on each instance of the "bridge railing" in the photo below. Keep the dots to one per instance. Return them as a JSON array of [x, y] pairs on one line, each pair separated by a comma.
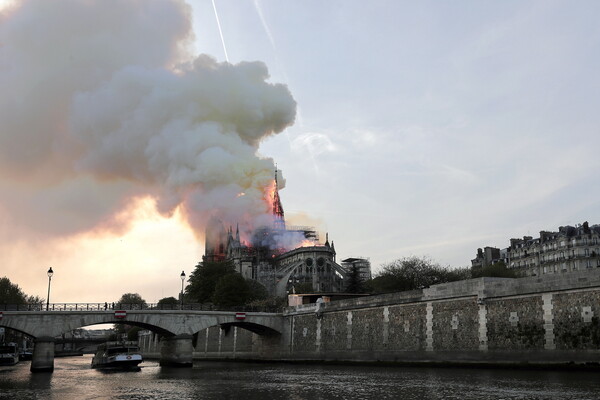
[[121, 306]]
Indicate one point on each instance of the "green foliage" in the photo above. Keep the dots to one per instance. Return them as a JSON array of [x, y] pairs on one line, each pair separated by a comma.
[[204, 278], [168, 302], [273, 302], [35, 299], [355, 283], [132, 333], [459, 274], [305, 287], [11, 293], [132, 298], [410, 273], [128, 299], [231, 290], [498, 270], [257, 290]]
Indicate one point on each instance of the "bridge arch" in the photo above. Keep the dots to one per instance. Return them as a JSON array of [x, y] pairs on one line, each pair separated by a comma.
[[167, 323], [16, 329], [177, 328], [252, 327]]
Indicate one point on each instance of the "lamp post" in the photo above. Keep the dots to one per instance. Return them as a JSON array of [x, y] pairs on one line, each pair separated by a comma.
[[182, 276], [50, 273]]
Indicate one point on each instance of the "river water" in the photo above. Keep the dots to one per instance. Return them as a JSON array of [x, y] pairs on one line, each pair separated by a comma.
[[73, 379]]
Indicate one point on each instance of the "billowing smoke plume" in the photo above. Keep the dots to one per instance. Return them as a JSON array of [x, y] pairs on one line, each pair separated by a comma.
[[101, 103]]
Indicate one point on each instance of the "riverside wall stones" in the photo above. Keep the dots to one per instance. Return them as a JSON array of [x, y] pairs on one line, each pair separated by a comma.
[[553, 320], [515, 323], [493, 320], [334, 332], [304, 334], [576, 320], [367, 330], [456, 325], [407, 328]]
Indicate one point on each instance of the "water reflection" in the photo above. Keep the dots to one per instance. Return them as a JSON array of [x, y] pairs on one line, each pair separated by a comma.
[[74, 379]]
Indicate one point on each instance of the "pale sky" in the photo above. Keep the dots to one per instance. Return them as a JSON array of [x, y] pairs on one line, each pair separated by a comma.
[[422, 128]]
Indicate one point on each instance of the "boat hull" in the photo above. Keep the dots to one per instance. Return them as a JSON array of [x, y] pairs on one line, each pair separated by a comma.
[[8, 360], [9, 354], [118, 365], [118, 361]]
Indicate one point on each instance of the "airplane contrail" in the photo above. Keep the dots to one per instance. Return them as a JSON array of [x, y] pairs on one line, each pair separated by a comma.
[[220, 31]]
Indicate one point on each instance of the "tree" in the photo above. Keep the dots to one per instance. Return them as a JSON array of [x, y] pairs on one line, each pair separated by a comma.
[[411, 273], [11, 293], [272, 304], [203, 279], [497, 270], [355, 283], [129, 301], [132, 332], [459, 274], [168, 303], [257, 290], [133, 300], [305, 287], [231, 290]]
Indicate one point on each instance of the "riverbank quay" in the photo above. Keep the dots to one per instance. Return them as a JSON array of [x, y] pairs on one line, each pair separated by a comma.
[[550, 321]]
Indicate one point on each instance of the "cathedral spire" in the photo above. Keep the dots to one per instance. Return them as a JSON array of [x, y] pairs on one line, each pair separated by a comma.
[[279, 219]]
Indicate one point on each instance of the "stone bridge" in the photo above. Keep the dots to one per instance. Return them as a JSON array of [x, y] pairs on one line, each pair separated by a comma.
[[176, 327]]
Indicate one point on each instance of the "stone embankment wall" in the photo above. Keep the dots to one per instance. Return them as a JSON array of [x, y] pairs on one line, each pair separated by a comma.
[[549, 319], [211, 343]]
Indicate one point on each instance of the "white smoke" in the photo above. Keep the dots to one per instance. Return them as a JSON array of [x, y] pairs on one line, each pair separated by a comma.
[[101, 102]]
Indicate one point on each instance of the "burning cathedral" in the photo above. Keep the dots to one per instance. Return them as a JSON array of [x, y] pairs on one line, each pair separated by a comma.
[[280, 257]]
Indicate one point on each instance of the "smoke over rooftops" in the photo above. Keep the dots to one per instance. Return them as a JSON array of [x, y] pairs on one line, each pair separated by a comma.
[[105, 103]]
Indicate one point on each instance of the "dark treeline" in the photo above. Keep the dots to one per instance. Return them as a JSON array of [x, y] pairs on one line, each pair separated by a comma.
[[410, 273], [11, 293], [218, 283]]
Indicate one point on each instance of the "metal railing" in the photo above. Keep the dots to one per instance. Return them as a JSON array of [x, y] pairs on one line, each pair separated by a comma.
[[128, 307]]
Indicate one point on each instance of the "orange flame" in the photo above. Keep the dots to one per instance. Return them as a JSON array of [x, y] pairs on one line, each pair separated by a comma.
[[269, 196]]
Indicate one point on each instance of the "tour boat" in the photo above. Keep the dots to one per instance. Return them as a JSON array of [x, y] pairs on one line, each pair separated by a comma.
[[25, 354], [117, 355], [9, 353]]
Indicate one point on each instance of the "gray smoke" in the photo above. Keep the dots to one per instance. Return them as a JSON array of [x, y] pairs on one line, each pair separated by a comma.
[[102, 103]]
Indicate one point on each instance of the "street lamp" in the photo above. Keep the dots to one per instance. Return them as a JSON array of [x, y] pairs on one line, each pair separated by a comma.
[[182, 276], [50, 273]]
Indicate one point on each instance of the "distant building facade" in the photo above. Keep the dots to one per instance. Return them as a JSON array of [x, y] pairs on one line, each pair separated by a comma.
[[267, 258], [572, 248], [487, 256], [362, 264]]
